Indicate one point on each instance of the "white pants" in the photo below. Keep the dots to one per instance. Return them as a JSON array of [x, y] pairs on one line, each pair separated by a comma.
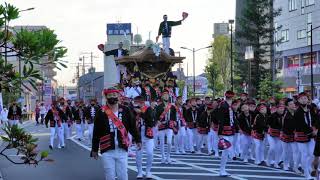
[[236, 144], [226, 153], [155, 136], [90, 131], [192, 134], [79, 131], [245, 142], [59, 133], [180, 139], [306, 150], [274, 152], [202, 139], [288, 150], [66, 130], [115, 164], [259, 151], [13, 122], [162, 134], [147, 144], [166, 44]]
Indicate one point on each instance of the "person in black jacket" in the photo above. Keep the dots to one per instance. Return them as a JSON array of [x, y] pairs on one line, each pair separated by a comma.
[[90, 114], [192, 116], [226, 129], [145, 123], [287, 137], [166, 116], [245, 119], [203, 126], [180, 138], [14, 114], [273, 136], [259, 129], [54, 117], [78, 116], [165, 29], [305, 130], [110, 134]]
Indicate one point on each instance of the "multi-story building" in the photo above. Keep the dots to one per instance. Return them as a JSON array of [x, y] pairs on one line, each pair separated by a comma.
[[293, 55]]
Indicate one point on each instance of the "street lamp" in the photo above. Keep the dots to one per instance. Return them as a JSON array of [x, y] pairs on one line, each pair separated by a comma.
[[231, 21], [193, 50], [249, 55], [311, 56]]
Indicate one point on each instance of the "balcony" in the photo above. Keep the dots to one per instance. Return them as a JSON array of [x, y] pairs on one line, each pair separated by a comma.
[[303, 70]]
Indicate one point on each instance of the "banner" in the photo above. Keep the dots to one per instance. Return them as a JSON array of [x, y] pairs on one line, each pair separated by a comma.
[[1, 102]]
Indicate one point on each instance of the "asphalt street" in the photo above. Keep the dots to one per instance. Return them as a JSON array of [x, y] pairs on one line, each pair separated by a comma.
[[73, 163]]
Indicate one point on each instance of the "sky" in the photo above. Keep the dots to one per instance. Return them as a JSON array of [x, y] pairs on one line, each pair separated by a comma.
[[81, 25]]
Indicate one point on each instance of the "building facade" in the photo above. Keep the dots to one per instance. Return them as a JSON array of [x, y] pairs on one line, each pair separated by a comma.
[[293, 54]]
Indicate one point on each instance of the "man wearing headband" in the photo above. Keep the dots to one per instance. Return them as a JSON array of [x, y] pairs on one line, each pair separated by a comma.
[[259, 129], [305, 121], [54, 117], [192, 116], [226, 129], [274, 123], [180, 137], [145, 124], [167, 120], [90, 114], [287, 137], [66, 111], [203, 126], [112, 124], [245, 119]]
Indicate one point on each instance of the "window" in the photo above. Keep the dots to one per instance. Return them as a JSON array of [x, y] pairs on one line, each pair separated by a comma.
[[306, 59], [309, 2], [303, 4], [302, 34], [285, 35], [293, 61], [292, 5], [309, 18]]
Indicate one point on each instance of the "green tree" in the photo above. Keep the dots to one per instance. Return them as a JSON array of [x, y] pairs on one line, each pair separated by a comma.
[[257, 30], [33, 48], [218, 65], [38, 48], [25, 145], [215, 83], [269, 88]]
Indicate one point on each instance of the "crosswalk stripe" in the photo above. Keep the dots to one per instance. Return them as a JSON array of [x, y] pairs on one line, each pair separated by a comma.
[[272, 177]]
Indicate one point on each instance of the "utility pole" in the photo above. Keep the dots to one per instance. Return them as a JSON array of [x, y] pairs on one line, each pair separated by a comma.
[[78, 80], [91, 56], [83, 68]]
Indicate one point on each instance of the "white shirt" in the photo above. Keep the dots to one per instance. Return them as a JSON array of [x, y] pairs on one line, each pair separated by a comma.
[[4, 115], [42, 110], [113, 128], [119, 53]]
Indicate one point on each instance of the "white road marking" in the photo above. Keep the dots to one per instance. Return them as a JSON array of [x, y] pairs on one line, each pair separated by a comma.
[[272, 177], [133, 168]]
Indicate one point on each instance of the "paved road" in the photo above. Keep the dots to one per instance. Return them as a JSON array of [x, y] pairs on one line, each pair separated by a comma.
[[74, 162]]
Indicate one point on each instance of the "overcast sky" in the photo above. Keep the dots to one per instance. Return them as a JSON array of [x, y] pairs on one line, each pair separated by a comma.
[[81, 24]]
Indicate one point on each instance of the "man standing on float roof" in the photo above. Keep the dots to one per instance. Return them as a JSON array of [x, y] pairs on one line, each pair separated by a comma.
[[165, 30], [110, 135]]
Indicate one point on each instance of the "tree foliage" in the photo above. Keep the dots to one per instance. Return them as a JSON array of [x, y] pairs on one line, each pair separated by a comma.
[[31, 47], [257, 30], [218, 65], [269, 88], [24, 144]]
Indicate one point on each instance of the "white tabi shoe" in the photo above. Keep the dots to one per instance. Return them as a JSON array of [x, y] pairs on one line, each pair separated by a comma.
[[148, 175], [224, 174], [140, 175]]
